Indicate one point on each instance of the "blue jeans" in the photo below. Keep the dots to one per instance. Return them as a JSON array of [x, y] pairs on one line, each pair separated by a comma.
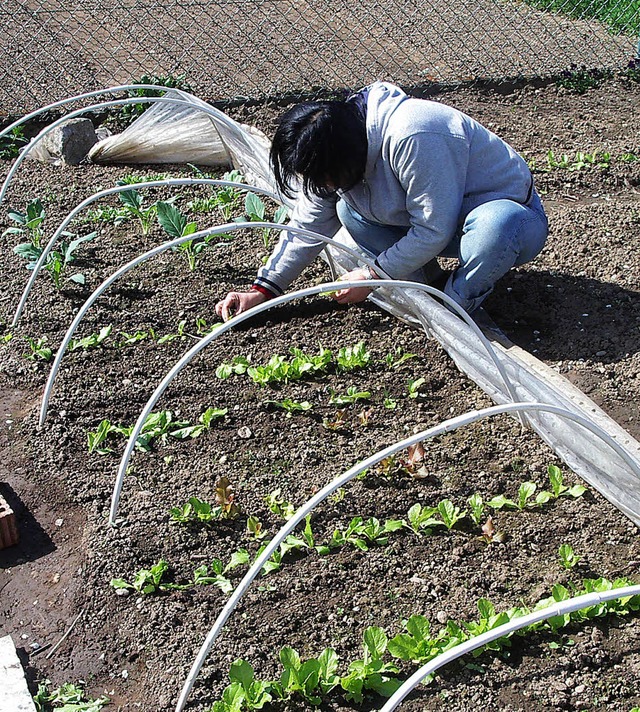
[[491, 239]]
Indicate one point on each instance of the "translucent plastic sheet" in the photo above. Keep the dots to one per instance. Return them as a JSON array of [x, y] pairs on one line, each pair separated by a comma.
[[184, 133]]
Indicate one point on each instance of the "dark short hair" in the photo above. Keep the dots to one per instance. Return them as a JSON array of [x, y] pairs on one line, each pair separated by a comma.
[[322, 143]]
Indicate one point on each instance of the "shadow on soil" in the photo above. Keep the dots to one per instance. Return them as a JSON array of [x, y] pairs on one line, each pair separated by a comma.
[[34, 540], [559, 317]]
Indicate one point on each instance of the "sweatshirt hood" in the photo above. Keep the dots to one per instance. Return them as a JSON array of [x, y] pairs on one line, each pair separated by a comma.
[[382, 101]]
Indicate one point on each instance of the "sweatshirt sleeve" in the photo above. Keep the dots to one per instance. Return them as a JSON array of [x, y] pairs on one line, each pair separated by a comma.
[[294, 252], [432, 168]]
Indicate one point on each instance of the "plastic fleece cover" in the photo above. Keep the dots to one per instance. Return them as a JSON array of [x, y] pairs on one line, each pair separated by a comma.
[[172, 133]]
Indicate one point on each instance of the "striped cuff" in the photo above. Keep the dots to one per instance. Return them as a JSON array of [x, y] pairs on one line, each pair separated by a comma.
[[262, 290], [266, 286]]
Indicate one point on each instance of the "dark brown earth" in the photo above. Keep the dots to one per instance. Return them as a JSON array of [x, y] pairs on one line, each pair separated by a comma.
[[577, 307]]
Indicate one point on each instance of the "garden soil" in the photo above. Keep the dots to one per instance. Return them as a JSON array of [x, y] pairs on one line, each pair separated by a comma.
[[576, 307]]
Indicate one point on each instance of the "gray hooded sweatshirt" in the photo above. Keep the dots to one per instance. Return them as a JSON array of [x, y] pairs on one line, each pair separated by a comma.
[[428, 166]]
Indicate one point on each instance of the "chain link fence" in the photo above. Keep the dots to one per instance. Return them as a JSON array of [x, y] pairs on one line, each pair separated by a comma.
[[257, 49]]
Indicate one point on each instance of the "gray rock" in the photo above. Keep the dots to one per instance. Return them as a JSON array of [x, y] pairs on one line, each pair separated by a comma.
[[71, 141]]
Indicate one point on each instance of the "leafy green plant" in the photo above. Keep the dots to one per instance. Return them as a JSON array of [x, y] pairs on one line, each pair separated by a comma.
[[421, 519], [28, 223], [256, 211], [291, 406], [361, 533], [558, 487], [254, 527], [238, 365], [398, 357], [351, 358], [39, 351], [69, 697], [413, 387], [580, 79], [160, 425], [244, 692], [11, 144], [352, 396], [338, 421], [279, 369], [476, 507], [146, 581], [133, 204], [450, 513], [371, 673], [93, 341], [278, 505], [568, 558], [195, 510], [175, 224], [205, 421], [130, 112]]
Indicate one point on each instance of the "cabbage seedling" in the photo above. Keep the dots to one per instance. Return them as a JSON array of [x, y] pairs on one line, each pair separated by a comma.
[[175, 224], [133, 204], [28, 223]]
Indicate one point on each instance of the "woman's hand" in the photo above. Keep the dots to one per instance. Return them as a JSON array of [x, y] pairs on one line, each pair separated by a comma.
[[238, 302], [354, 295]]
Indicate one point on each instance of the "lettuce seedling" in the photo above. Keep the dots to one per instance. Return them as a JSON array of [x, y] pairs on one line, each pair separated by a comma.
[[416, 644], [397, 358], [278, 505], [371, 673], [351, 358], [238, 365], [337, 422], [450, 513], [254, 527], [205, 421], [490, 534], [69, 697], [130, 339], [256, 693], [421, 519], [361, 533], [568, 558], [476, 505], [92, 341], [225, 498], [39, 350], [202, 576], [559, 489], [291, 406], [146, 581], [413, 388], [195, 510], [352, 395], [298, 677]]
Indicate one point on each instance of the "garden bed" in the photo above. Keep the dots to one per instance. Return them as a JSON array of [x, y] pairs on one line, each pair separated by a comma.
[[576, 308]]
